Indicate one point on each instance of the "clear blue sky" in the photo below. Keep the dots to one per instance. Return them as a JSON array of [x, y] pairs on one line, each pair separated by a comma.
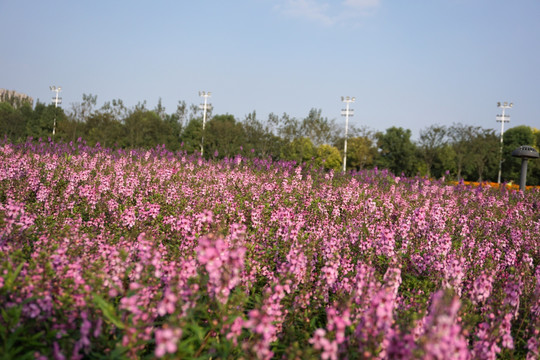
[[409, 63]]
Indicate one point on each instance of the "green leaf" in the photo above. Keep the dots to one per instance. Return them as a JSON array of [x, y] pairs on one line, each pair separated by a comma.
[[108, 311], [10, 279]]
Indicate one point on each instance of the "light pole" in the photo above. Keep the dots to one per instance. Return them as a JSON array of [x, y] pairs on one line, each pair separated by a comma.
[[57, 100], [205, 106], [502, 119], [346, 112]]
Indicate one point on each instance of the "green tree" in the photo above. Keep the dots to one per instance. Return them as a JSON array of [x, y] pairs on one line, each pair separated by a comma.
[[514, 138], [192, 135], [81, 111], [318, 128], [432, 140], [286, 127], [224, 135], [260, 138], [461, 139], [103, 128], [484, 153], [534, 166], [12, 122], [361, 151], [445, 162], [42, 122], [396, 151], [172, 123], [300, 150], [329, 157], [144, 128], [115, 108]]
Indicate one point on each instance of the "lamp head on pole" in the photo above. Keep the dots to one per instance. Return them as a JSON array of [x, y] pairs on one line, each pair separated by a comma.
[[348, 99]]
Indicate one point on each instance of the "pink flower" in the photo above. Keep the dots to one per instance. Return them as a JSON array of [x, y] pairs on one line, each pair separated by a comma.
[[166, 341], [328, 348], [235, 330], [129, 217], [168, 304], [223, 264], [482, 287]]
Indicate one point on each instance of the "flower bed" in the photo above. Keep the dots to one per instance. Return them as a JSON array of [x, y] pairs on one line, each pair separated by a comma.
[[112, 254], [510, 186]]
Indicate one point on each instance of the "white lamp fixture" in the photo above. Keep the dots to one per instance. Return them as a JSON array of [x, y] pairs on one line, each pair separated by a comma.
[[346, 112], [502, 119]]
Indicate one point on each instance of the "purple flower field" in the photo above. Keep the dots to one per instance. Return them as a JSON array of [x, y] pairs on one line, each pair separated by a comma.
[[141, 254]]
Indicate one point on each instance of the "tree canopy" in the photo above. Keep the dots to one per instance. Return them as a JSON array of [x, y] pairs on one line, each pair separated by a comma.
[[458, 151]]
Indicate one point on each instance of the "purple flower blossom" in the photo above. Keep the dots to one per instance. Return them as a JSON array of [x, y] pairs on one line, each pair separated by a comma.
[[166, 341]]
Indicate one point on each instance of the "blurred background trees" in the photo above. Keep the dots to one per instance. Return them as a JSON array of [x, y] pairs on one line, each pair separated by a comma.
[[458, 152]]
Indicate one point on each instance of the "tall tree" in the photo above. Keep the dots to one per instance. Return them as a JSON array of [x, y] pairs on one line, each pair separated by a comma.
[[12, 122], [192, 135], [461, 140], [224, 135], [484, 153], [397, 151], [318, 128], [514, 138], [300, 150], [43, 120], [432, 139], [81, 111], [103, 128], [288, 128], [260, 138], [144, 128], [361, 152], [328, 156]]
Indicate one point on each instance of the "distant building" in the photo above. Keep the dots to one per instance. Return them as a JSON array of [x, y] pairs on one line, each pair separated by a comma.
[[14, 98]]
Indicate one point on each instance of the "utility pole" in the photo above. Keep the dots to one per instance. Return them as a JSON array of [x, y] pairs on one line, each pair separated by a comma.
[[502, 119], [57, 100], [205, 106], [346, 112]]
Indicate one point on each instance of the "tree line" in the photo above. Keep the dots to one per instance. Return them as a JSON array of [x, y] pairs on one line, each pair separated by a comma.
[[458, 152]]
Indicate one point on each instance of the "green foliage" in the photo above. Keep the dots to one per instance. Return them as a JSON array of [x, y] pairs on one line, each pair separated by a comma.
[[102, 128], [328, 157], [318, 129], [144, 129], [483, 154], [513, 139], [108, 311], [463, 151], [17, 341], [397, 151], [12, 122], [192, 136], [223, 135], [260, 138], [361, 152], [432, 140], [300, 150]]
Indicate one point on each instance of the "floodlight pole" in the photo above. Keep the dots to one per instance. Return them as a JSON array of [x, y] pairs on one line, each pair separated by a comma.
[[346, 112], [502, 119], [205, 106], [57, 100]]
